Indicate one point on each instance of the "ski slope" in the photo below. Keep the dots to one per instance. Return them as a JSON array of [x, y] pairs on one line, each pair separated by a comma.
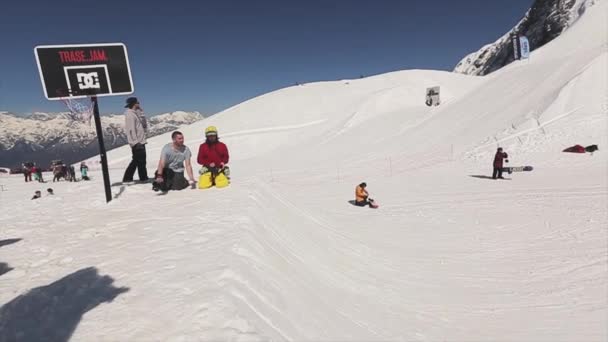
[[282, 255]]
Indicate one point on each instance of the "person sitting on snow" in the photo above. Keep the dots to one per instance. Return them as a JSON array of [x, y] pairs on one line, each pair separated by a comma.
[[37, 195], [362, 196], [170, 172], [213, 155], [498, 157], [49, 192]]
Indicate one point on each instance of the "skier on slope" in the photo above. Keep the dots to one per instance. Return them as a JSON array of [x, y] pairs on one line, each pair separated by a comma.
[[498, 165], [362, 196], [213, 156]]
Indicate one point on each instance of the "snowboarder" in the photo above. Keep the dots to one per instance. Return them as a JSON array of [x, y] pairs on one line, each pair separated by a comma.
[[170, 172], [84, 171], [213, 156], [37, 195], [362, 196], [498, 164], [136, 128]]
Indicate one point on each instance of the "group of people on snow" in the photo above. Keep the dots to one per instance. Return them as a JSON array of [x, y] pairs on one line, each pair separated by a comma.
[[30, 169], [362, 198], [175, 157], [59, 170]]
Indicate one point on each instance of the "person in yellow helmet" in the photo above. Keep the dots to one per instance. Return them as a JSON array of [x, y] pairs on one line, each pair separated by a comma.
[[213, 154]]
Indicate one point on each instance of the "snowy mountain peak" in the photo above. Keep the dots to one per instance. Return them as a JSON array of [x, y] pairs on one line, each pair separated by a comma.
[[46, 136], [542, 23]]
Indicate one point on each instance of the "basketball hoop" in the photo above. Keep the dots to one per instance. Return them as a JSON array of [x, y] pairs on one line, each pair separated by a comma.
[[77, 75], [80, 109]]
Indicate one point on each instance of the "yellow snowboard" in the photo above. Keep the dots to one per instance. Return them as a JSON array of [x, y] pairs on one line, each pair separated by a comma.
[[206, 181]]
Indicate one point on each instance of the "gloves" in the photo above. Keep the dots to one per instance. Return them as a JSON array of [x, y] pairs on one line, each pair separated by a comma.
[[203, 170]]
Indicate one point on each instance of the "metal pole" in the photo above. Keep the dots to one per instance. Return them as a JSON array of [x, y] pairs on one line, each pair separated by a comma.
[[102, 150]]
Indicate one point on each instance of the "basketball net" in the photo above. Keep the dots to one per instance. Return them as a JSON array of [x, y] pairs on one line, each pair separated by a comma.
[[81, 110]]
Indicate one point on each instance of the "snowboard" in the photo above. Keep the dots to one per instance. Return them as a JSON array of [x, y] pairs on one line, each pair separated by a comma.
[[512, 169]]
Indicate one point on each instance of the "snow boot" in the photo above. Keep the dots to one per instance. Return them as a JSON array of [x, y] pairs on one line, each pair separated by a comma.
[[205, 181]]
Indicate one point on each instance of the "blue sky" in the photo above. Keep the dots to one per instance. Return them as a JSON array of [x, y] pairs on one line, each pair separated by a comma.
[[209, 55]]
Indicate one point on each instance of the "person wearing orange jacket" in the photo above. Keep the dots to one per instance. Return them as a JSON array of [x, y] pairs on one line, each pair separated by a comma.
[[362, 196]]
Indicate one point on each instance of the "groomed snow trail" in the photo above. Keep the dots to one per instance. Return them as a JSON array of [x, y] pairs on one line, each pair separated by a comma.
[[266, 260]]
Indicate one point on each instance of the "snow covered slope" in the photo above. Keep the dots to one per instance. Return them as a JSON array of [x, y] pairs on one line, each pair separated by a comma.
[[543, 22], [281, 254]]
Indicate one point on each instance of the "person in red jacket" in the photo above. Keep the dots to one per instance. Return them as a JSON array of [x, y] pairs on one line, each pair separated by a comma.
[[500, 155], [213, 154]]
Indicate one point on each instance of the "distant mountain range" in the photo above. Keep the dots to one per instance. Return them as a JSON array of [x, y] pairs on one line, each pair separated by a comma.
[[543, 22], [42, 137]]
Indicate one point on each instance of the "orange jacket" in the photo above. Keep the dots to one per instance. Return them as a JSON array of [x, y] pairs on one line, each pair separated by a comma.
[[360, 194]]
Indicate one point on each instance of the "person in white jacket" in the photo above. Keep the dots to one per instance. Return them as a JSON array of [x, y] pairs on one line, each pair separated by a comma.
[[136, 128]]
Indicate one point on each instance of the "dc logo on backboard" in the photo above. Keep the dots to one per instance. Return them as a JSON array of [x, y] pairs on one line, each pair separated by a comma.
[[88, 80]]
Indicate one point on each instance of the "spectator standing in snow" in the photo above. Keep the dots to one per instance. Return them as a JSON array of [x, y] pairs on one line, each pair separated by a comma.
[[57, 172], [498, 163], [73, 172], [27, 172], [136, 128], [84, 171], [34, 171], [39, 174]]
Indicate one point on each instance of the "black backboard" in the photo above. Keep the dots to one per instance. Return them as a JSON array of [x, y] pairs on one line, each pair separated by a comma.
[[79, 71]]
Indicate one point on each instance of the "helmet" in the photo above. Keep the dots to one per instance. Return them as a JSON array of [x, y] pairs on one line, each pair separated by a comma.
[[211, 130]]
